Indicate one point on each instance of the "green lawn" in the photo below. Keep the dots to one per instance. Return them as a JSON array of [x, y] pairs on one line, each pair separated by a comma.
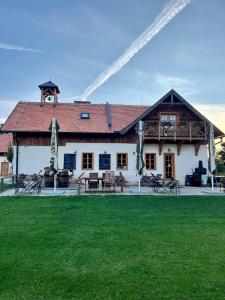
[[112, 247]]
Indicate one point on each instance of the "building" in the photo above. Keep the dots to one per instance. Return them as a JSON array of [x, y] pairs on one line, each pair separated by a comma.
[[99, 137], [5, 141]]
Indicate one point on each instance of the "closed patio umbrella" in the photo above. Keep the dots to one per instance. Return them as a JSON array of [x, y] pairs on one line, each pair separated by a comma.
[[54, 127], [212, 153], [140, 145]]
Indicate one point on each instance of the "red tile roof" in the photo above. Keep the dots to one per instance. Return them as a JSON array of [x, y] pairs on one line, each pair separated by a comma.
[[5, 140], [31, 116]]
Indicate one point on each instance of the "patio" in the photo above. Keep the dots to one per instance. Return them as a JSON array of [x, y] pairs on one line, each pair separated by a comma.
[[128, 190], [100, 184]]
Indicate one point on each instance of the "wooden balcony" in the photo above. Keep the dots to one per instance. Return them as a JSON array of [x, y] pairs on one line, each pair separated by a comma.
[[173, 131]]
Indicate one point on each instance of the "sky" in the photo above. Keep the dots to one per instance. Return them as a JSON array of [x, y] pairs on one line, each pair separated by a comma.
[[71, 42]]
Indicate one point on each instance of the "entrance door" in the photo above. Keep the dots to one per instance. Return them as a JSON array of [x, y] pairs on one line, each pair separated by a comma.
[[169, 165], [4, 168]]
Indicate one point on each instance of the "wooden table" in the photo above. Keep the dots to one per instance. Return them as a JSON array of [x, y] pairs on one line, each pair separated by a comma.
[[87, 179]]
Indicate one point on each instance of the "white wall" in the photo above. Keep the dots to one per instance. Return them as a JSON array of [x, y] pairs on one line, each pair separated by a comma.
[[185, 163], [32, 159]]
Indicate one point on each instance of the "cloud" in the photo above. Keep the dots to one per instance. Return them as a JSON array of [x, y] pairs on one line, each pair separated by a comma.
[[6, 106], [2, 120], [171, 80], [214, 112], [183, 85], [17, 48]]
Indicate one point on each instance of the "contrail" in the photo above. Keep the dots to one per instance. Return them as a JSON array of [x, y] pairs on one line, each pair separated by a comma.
[[167, 14], [17, 48]]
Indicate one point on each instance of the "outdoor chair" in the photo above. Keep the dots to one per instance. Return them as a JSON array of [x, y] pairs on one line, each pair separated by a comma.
[[221, 185], [20, 180], [165, 185], [120, 181], [93, 182], [109, 181], [63, 178], [32, 183], [77, 182], [147, 180]]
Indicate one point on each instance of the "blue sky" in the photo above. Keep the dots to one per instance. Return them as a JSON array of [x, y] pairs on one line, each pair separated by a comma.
[[78, 39]]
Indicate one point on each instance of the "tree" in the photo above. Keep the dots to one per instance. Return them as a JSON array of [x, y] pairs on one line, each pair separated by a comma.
[[10, 153], [220, 159], [221, 153]]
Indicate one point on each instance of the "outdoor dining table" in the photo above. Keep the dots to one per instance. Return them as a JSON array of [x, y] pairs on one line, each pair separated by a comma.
[[87, 179]]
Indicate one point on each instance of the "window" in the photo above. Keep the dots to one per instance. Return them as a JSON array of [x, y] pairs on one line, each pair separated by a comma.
[[150, 161], [84, 115], [104, 161], [69, 161], [122, 161], [168, 117], [87, 161], [168, 124]]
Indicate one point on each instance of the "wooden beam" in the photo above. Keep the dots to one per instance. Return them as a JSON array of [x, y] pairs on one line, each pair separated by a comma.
[[197, 147], [174, 103], [179, 146], [160, 147], [172, 99]]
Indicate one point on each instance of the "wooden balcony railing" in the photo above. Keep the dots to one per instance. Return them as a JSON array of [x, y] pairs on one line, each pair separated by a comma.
[[183, 130]]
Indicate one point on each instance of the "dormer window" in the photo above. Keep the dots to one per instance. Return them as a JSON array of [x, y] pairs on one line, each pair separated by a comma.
[[84, 116]]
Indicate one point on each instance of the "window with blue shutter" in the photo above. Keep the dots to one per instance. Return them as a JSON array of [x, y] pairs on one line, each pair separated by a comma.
[[70, 161], [104, 161]]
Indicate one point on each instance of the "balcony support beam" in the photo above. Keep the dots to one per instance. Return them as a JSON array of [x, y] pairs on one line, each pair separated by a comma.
[[161, 143], [197, 147], [179, 146]]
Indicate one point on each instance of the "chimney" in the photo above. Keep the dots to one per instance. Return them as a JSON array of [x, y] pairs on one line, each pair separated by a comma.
[[109, 116]]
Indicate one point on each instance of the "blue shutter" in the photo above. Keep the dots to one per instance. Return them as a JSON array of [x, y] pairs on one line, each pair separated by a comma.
[[70, 161], [104, 162]]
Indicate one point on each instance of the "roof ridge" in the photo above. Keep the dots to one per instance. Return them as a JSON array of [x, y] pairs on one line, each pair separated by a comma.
[[82, 104]]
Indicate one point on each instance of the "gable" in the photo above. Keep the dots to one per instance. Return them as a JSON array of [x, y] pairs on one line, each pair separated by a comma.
[[173, 103]]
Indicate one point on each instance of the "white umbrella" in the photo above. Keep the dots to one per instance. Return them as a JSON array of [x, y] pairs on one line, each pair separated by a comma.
[[54, 127], [212, 153], [140, 145]]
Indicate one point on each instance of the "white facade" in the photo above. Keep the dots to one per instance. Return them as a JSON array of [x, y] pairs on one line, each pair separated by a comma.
[[32, 159]]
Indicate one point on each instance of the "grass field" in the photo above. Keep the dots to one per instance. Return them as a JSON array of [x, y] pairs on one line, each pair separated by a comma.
[[112, 247]]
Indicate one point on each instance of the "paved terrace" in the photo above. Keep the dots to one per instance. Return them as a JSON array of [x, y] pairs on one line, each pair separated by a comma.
[[131, 190]]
